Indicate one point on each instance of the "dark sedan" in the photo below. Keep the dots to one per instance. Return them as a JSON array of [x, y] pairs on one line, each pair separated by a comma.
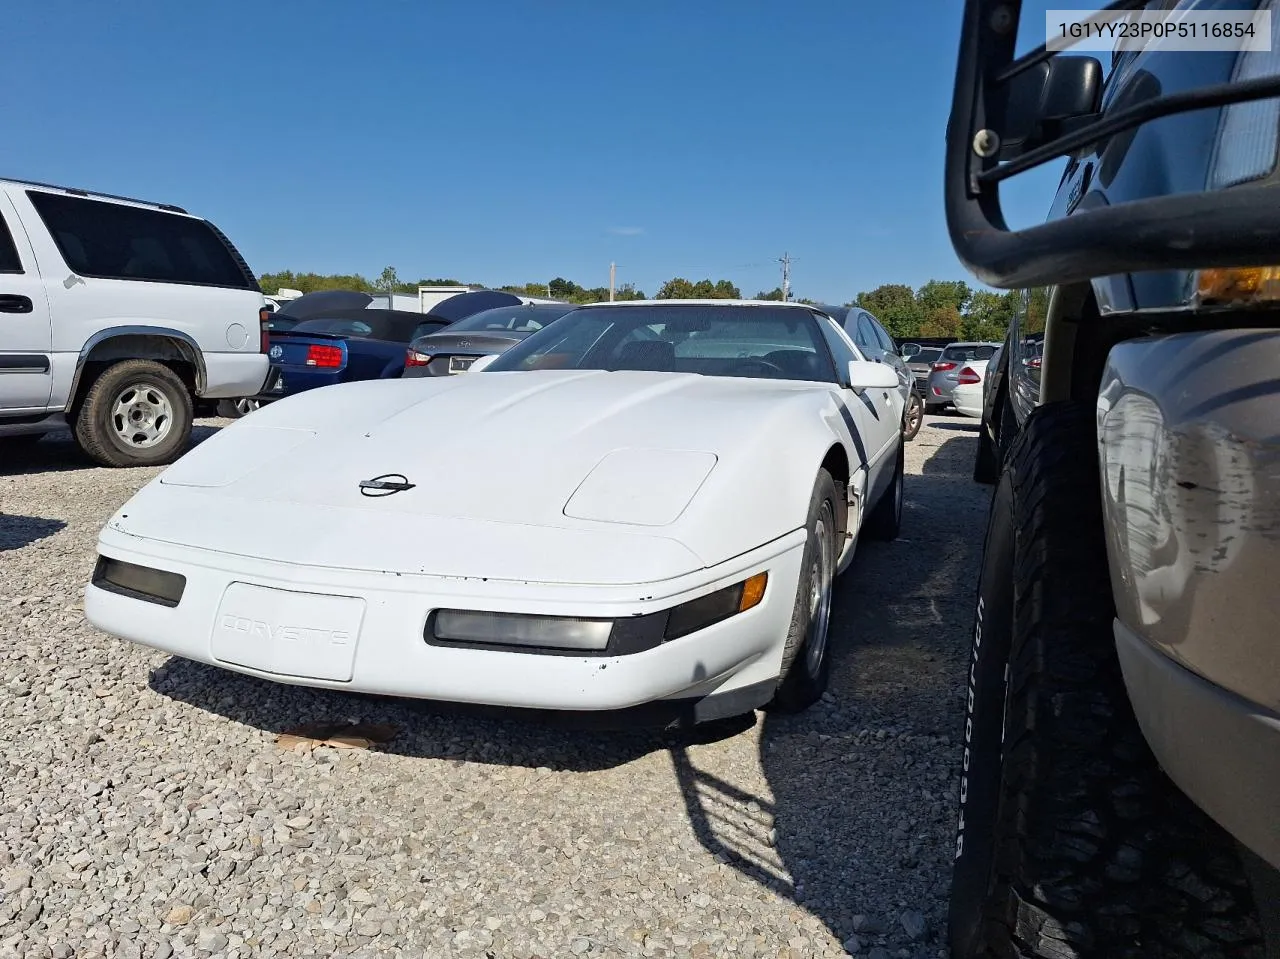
[[454, 348], [921, 364]]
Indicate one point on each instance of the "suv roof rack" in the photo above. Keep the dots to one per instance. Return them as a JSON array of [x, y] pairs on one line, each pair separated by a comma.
[[77, 191]]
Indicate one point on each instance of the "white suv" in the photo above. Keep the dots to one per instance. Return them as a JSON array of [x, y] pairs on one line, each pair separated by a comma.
[[115, 314]]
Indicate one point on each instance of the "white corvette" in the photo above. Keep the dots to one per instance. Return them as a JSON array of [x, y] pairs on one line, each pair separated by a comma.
[[643, 503]]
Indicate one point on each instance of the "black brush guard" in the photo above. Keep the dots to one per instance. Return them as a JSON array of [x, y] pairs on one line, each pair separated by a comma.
[[1186, 231]]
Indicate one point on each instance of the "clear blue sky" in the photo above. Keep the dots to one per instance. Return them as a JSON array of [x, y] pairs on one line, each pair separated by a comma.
[[514, 140]]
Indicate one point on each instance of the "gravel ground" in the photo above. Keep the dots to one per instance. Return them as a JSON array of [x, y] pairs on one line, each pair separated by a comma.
[[146, 808]]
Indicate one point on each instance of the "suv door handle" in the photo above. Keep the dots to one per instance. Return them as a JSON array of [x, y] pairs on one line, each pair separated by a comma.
[[15, 303]]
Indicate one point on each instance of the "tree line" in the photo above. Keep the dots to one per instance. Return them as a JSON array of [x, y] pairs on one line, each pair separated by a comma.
[[943, 308]]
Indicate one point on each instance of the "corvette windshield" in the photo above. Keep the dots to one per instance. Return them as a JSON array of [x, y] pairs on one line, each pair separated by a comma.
[[757, 341]]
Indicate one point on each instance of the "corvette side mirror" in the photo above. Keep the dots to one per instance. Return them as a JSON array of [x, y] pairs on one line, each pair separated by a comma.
[[482, 362], [866, 375]]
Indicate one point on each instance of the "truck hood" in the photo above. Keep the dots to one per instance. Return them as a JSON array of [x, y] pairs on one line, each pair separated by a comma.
[[579, 476]]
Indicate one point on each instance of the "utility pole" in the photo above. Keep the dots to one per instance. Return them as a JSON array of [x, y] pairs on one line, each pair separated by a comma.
[[613, 275], [785, 260]]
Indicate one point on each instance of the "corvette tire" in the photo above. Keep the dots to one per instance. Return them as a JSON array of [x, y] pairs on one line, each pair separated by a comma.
[[1071, 841], [806, 663], [914, 418], [884, 522]]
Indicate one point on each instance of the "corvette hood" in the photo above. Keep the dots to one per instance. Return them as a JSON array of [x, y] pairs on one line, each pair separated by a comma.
[[604, 468]]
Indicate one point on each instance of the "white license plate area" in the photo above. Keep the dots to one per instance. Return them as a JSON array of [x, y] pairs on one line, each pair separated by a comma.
[[301, 635]]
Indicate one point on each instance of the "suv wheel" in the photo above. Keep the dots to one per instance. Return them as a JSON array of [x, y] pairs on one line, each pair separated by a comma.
[[137, 413], [1071, 840]]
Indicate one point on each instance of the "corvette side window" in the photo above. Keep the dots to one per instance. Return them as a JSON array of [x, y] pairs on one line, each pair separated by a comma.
[[842, 350], [866, 337], [883, 337]]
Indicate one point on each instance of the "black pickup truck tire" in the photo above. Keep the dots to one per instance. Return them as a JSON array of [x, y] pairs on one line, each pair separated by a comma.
[[1071, 841]]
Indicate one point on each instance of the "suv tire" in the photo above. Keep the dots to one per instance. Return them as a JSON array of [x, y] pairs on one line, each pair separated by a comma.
[[136, 413], [1071, 841]]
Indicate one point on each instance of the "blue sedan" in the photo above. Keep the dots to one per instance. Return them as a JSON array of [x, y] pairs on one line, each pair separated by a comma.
[[344, 346]]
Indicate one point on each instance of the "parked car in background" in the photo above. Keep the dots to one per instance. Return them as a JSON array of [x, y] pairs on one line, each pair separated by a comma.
[[1120, 766], [342, 346], [455, 347], [967, 395], [920, 363], [116, 317], [873, 340], [371, 355], [944, 374], [584, 502]]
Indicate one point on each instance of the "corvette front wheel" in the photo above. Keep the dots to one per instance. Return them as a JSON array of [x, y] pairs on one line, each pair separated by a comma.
[[805, 661]]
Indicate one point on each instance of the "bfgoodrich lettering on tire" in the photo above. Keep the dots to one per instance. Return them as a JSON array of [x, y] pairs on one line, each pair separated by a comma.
[[136, 413], [1071, 841]]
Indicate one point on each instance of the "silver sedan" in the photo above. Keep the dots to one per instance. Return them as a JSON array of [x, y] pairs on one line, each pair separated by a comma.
[[945, 374]]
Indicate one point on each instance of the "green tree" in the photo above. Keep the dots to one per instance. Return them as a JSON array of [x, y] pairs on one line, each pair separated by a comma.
[[628, 291], [941, 321], [1037, 310], [562, 289], [937, 294], [528, 289], [989, 314], [895, 305], [774, 294], [679, 288], [313, 282], [388, 281]]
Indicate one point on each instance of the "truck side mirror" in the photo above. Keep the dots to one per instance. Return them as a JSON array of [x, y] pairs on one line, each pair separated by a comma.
[[1042, 102]]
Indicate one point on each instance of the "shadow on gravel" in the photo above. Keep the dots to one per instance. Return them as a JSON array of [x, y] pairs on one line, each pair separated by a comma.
[[861, 812], [964, 426], [433, 730], [19, 531], [57, 453], [953, 460]]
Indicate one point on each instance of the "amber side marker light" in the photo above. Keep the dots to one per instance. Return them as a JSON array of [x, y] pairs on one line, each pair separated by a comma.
[[714, 607], [1239, 286]]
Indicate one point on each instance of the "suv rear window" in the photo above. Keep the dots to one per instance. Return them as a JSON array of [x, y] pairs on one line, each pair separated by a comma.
[[118, 242], [9, 260]]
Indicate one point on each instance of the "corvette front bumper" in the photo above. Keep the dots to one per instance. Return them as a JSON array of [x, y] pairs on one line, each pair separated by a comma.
[[364, 631]]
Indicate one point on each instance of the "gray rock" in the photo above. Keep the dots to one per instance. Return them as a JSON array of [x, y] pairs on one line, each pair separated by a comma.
[[914, 924], [211, 940]]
